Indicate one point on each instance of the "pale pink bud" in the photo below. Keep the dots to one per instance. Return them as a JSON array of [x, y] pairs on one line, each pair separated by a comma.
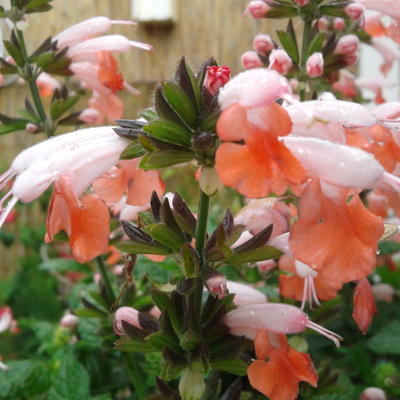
[[263, 44], [347, 44], [323, 24], [217, 286], [257, 9], [31, 128], [216, 78], [373, 393], [354, 10], [127, 314], [339, 24], [302, 3], [383, 292], [251, 60], [315, 65], [118, 270], [89, 116], [280, 61], [69, 321]]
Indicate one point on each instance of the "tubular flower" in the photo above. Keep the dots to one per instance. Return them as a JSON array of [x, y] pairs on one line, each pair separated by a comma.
[[363, 305], [279, 368], [336, 237], [245, 294], [249, 114], [72, 161]]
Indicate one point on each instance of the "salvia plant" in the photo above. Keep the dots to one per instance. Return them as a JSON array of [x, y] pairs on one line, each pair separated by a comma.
[[267, 271]]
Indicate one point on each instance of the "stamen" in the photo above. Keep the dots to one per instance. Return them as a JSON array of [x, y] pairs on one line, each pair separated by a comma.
[[309, 291], [131, 89], [4, 213], [123, 22], [392, 180], [325, 332], [5, 177], [141, 45], [314, 292], [305, 289]]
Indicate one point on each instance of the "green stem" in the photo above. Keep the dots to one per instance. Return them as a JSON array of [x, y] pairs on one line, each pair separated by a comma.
[[31, 79], [135, 375], [106, 279], [202, 218]]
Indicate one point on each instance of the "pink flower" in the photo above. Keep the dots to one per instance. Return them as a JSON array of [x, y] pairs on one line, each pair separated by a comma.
[[251, 60], [127, 314], [373, 393], [69, 321], [257, 9], [315, 65], [345, 85], [280, 61], [217, 286], [7, 322], [245, 294], [323, 24], [216, 77], [347, 44], [89, 116], [339, 24], [263, 44], [354, 10], [247, 320], [387, 7]]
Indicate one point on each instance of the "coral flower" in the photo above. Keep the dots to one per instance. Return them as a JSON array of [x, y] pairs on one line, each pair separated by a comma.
[[338, 238], [363, 305], [262, 164], [279, 368], [138, 183], [108, 73]]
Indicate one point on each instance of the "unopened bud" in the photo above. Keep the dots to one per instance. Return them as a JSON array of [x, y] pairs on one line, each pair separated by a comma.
[[373, 393], [251, 60], [263, 44], [217, 286], [69, 321], [383, 292], [354, 10], [339, 24], [280, 61], [216, 78], [191, 385], [315, 65], [302, 3], [31, 128], [127, 314], [89, 116], [209, 181], [347, 44], [257, 9], [323, 24]]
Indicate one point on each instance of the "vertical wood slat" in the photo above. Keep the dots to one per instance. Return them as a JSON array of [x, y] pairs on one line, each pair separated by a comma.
[[204, 28]]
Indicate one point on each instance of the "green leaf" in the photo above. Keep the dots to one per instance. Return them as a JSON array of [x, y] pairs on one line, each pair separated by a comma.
[[169, 132], [234, 366], [255, 255], [132, 345], [16, 126], [282, 12], [336, 10], [133, 150], [36, 3], [14, 52], [130, 246], [386, 341], [63, 265], [180, 103], [316, 44], [71, 380], [166, 236], [289, 45], [60, 106], [159, 340], [161, 159], [389, 247]]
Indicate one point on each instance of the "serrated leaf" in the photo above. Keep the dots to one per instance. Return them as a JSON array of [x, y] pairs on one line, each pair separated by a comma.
[[255, 255], [169, 131], [386, 341], [290, 45]]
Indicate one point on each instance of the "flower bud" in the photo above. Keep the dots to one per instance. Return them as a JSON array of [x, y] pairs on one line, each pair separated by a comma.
[[263, 44], [280, 61], [323, 24], [217, 285], [338, 24], [127, 314], [315, 65], [69, 321], [351, 58], [347, 44], [354, 10], [89, 116], [191, 385], [257, 9], [383, 292], [373, 393], [301, 3], [31, 128], [251, 60], [216, 78], [209, 181]]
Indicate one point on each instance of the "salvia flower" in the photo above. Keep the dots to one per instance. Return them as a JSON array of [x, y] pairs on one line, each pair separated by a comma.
[[216, 77], [354, 10], [280, 61], [347, 44], [245, 294]]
